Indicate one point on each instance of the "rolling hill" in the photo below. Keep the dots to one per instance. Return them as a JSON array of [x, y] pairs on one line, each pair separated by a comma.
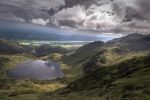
[[115, 70], [119, 71], [11, 47]]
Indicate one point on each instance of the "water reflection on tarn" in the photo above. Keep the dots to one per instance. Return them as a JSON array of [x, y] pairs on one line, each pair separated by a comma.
[[39, 69]]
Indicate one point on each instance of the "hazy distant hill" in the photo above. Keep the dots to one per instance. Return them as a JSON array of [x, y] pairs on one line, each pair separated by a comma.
[[11, 47], [132, 42], [44, 50], [33, 32]]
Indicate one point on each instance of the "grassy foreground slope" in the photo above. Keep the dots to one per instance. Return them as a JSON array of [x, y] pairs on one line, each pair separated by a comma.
[[128, 80], [116, 70], [12, 89]]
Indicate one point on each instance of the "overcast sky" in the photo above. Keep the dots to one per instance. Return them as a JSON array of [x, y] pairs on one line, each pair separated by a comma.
[[100, 15]]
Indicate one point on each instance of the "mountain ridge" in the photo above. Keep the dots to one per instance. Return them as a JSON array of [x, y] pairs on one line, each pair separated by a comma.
[[109, 75]]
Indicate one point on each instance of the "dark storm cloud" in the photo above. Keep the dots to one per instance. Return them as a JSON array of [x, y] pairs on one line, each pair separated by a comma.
[[27, 9], [80, 14], [86, 3], [144, 8], [133, 14], [132, 9]]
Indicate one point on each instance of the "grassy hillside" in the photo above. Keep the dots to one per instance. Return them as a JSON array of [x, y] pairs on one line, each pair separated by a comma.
[[9, 61], [44, 50], [131, 42], [127, 80], [83, 53], [12, 89], [106, 54], [75, 61], [115, 70]]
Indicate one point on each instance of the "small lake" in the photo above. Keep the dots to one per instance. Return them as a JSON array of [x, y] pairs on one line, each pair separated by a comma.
[[39, 69]]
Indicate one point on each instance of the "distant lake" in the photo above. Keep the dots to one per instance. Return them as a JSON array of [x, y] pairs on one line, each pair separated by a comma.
[[39, 69]]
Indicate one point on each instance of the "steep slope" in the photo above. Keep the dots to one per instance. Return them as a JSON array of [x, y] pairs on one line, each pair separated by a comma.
[[89, 57], [110, 71], [109, 53], [126, 80], [75, 61], [121, 46], [132, 42], [116, 70], [84, 52]]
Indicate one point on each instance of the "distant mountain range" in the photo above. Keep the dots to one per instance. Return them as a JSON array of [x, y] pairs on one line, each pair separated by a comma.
[[130, 43], [11, 47], [32, 32]]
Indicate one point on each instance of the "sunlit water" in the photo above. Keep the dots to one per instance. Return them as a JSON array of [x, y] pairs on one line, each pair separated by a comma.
[[39, 69]]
